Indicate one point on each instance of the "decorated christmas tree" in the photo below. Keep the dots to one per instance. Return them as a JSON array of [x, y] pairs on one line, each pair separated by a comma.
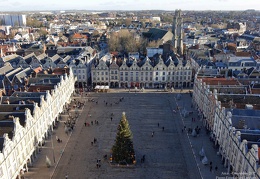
[[123, 149]]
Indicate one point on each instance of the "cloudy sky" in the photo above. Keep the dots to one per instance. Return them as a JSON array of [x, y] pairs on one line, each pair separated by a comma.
[[19, 5]]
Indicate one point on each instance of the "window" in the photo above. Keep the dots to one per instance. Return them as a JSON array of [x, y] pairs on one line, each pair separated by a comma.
[[115, 77], [151, 78], [102, 73], [94, 73], [102, 78], [156, 73], [106, 73], [112, 72], [83, 77], [112, 77], [79, 77], [156, 79], [126, 78], [126, 73], [79, 71], [146, 68], [116, 72], [163, 78], [163, 73], [146, 78]]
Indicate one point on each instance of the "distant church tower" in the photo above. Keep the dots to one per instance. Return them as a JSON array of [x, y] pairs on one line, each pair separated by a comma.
[[177, 31]]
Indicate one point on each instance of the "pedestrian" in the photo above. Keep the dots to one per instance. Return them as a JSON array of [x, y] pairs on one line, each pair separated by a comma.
[[91, 122], [97, 165], [210, 168], [111, 118], [163, 128], [97, 122], [66, 176], [85, 124], [152, 133], [92, 143], [216, 168], [158, 124], [182, 130]]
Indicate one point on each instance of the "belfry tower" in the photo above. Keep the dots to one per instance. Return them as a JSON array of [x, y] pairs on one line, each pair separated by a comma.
[[177, 31]]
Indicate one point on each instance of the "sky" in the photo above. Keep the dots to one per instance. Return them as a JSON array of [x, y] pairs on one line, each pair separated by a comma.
[[42, 5]]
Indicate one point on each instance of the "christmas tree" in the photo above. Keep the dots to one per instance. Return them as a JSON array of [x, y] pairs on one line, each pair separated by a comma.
[[123, 149]]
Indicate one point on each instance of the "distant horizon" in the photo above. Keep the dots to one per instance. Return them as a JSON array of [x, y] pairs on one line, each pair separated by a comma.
[[54, 10], [126, 5]]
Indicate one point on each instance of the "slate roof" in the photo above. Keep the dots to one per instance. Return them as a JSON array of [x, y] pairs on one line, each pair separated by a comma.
[[27, 99], [1, 143], [7, 126], [155, 34], [16, 107], [4, 116], [24, 73], [251, 122], [12, 73]]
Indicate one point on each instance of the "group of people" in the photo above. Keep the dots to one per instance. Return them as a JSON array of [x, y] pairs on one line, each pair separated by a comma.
[[116, 102]]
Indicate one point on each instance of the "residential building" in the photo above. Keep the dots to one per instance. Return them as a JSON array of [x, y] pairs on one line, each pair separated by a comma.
[[147, 73], [27, 118]]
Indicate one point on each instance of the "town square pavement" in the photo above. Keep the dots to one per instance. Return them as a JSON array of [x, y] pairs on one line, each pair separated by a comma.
[[171, 153]]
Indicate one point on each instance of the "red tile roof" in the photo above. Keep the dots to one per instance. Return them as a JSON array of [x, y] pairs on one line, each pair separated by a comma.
[[37, 70]]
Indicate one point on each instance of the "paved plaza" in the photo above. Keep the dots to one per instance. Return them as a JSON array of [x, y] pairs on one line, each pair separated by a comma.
[[170, 153]]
